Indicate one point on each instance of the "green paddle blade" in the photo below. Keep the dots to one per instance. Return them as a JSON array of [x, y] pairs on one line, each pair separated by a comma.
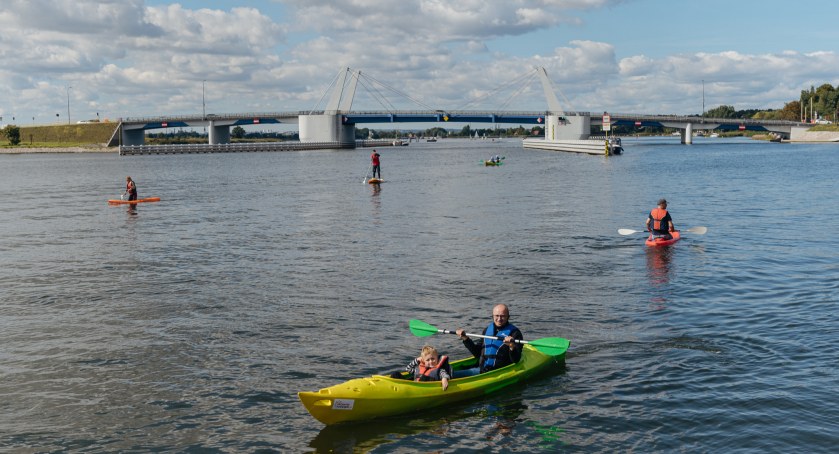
[[553, 346], [421, 329]]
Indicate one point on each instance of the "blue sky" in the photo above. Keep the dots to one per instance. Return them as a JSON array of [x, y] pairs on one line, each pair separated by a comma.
[[129, 58]]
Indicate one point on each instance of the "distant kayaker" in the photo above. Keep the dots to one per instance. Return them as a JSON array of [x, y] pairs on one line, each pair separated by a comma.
[[429, 366], [374, 160], [659, 223], [130, 189], [493, 354]]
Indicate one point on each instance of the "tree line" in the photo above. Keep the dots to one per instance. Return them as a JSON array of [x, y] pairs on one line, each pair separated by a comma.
[[814, 104]]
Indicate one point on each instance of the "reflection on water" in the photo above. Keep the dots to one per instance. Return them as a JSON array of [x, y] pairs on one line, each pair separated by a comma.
[[658, 264], [190, 324], [499, 422]]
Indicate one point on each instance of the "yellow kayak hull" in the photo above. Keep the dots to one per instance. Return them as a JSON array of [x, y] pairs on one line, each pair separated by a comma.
[[378, 395]]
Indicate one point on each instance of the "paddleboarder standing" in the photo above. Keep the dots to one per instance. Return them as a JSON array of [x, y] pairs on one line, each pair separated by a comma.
[[130, 189], [493, 353], [374, 160]]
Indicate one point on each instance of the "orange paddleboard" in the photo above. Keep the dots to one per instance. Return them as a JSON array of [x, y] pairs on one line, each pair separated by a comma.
[[132, 202]]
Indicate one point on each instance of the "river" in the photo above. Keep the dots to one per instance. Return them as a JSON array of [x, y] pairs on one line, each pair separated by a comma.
[[189, 325]]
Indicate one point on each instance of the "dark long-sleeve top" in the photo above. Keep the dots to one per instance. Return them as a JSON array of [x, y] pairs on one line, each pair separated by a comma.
[[505, 355]]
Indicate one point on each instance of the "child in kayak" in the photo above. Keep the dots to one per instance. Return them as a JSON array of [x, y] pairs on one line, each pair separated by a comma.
[[429, 366]]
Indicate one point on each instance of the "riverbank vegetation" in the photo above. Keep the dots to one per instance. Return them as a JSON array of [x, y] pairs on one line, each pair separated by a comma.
[[60, 136]]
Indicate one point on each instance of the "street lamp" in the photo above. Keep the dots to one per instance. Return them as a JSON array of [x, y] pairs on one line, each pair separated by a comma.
[[68, 104], [203, 101]]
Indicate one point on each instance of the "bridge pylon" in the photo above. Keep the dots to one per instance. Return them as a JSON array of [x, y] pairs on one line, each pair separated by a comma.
[[329, 126], [559, 124]]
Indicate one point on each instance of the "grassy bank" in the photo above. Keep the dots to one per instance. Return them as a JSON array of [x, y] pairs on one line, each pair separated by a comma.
[[63, 136]]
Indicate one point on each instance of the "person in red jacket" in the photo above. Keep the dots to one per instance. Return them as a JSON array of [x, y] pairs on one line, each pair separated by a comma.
[[659, 223], [374, 159], [130, 189]]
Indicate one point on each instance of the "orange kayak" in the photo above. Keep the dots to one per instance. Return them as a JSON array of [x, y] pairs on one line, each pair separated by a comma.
[[662, 242], [132, 202]]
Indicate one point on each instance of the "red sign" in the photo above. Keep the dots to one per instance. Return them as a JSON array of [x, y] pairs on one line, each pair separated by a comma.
[[539, 120], [637, 123], [164, 124], [256, 121], [742, 127]]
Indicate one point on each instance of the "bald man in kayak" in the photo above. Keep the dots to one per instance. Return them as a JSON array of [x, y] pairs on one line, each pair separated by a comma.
[[493, 353]]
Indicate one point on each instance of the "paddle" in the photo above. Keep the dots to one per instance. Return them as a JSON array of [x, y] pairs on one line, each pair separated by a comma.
[[548, 345], [696, 230], [367, 173]]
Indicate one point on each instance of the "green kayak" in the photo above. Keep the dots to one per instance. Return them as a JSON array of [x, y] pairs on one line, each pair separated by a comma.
[[378, 395]]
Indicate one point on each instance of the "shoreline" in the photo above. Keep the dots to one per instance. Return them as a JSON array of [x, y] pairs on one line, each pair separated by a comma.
[[30, 150]]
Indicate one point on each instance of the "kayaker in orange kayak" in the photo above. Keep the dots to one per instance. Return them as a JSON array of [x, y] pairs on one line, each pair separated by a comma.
[[659, 223]]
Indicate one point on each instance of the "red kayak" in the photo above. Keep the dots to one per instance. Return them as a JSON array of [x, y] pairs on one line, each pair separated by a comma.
[[661, 241]]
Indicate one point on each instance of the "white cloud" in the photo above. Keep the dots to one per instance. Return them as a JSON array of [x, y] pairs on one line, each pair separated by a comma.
[[126, 58]]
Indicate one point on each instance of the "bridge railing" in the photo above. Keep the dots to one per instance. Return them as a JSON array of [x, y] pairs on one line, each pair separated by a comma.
[[696, 119], [595, 117]]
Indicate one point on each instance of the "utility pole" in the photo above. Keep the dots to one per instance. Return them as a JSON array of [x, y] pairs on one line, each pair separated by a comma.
[[68, 104], [703, 99], [203, 101]]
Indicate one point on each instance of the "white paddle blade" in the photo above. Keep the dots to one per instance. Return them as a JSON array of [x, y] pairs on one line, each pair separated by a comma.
[[698, 230], [627, 231]]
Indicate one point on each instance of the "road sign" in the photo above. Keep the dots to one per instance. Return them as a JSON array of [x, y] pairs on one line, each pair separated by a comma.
[[256, 121], [637, 123], [164, 124], [742, 127], [607, 122]]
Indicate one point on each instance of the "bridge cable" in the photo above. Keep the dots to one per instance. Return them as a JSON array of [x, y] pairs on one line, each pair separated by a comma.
[[377, 95], [400, 93], [331, 84], [522, 87], [516, 80]]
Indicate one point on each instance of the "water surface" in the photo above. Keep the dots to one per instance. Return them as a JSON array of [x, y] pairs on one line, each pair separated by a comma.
[[191, 324]]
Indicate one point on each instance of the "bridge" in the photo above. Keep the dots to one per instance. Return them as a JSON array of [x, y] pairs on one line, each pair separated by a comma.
[[336, 123]]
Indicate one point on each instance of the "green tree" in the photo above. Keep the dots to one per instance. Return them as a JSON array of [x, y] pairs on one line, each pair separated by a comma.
[[12, 133], [791, 111], [238, 132], [721, 112]]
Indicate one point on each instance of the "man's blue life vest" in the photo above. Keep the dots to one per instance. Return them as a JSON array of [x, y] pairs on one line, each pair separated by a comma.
[[491, 346]]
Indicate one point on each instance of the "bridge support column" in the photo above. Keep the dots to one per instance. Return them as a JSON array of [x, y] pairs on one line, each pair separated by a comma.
[[687, 134], [326, 128], [133, 137], [571, 127], [218, 134]]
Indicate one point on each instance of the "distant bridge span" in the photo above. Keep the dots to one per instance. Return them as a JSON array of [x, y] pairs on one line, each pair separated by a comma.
[[133, 129], [336, 123]]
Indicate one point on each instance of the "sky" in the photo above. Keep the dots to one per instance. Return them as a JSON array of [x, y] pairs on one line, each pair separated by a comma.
[[143, 58]]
